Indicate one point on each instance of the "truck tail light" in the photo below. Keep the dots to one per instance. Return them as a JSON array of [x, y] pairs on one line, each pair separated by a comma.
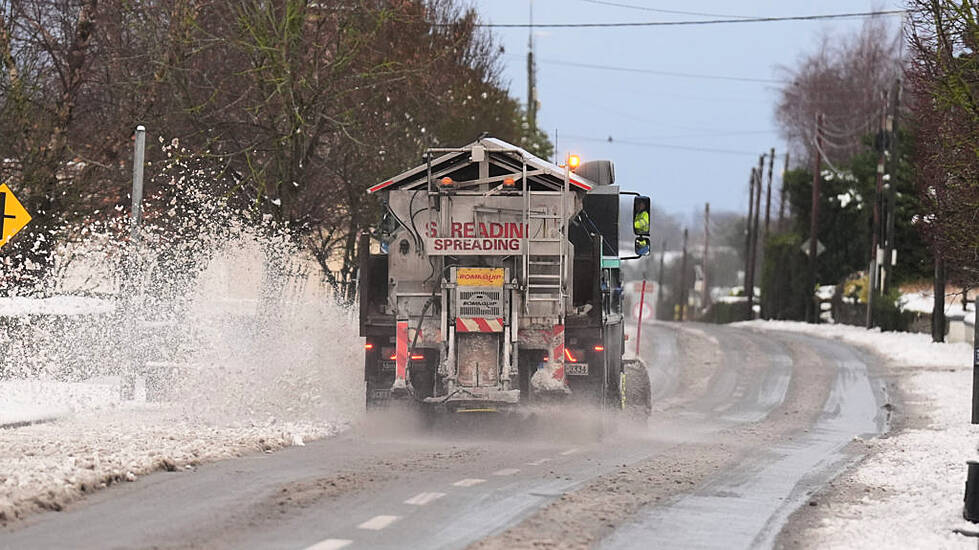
[[368, 346], [569, 356], [599, 348], [393, 357], [417, 357]]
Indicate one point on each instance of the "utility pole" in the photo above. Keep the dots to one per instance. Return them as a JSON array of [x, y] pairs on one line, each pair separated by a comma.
[[682, 306], [781, 200], [890, 186], [757, 228], [139, 153], [706, 295], [938, 307], [748, 284], [873, 277], [555, 146], [659, 280], [812, 314], [768, 199], [531, 76]]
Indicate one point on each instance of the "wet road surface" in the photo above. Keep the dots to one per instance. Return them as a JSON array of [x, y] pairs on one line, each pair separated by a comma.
[[745, 425]]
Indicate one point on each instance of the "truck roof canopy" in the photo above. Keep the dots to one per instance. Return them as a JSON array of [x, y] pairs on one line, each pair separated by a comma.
[[505, 160]]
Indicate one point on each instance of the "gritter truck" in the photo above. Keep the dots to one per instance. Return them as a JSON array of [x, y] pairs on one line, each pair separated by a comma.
[[493, 281]]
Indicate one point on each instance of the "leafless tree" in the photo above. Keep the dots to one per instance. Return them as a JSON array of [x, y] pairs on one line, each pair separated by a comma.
[[945, 84], [844, 80]]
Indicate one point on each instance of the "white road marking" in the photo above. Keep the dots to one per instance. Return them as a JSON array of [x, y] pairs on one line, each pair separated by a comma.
[[377, 523], [569, 452], [421, 499], [330, 544], [468, 482], [506, 472], [538, 462]]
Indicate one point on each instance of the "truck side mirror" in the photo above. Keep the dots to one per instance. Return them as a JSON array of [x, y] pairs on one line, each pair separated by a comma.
[[642, 246], [640, 217]]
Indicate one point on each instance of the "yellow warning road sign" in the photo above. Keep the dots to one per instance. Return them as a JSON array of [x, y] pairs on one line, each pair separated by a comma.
[[13, 217]]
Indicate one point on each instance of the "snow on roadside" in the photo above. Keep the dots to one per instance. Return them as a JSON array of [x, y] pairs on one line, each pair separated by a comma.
[[26, 401], [45, 466], [913, 479], [18, 306], [902, 348]]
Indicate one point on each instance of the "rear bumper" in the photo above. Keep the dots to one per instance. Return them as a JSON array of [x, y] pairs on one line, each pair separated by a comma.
[[477, 399]]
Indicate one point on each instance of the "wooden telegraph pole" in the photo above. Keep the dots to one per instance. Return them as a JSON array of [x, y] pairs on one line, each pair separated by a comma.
[[812, 314], [781, 197], [759, 174], [706, 290], [748, 284], [768, 198], [683, 281]]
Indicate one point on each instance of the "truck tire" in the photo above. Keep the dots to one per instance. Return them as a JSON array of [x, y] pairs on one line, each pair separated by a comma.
[[637, 400]]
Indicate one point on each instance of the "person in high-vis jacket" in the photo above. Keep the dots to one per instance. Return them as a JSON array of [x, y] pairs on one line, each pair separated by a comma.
[[641, 222]]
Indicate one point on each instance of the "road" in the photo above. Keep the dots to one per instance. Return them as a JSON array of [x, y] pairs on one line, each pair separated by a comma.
[[745, 426]]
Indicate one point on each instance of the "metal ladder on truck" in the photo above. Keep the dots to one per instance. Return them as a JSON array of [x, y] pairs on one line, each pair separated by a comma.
[[545, 271]]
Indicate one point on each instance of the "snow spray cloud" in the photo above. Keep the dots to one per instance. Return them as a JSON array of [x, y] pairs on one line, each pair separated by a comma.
[[226, 318]]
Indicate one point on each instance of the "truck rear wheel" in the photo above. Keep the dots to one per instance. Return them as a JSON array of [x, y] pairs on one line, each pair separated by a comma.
[[637, 394]]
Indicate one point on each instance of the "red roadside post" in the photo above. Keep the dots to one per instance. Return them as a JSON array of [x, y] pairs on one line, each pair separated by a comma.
[[642, 302]]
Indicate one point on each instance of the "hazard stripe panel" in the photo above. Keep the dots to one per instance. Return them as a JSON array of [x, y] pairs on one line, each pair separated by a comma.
[[479, 324], [557, 352], [401, 350], [580, 184], [379, 186]]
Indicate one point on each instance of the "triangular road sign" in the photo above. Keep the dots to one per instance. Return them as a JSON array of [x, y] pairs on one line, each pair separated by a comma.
[[13, 217], [820, 247]]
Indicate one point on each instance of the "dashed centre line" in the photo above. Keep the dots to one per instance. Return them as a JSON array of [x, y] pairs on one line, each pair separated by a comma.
[[377, 523], [421, 499], [538, 462], [569, 452], [506, 472], [468, 482], [330, 544]]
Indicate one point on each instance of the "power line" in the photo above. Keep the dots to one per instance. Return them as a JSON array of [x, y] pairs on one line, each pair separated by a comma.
[[613, 141], [659, 73], [658, 10], [715, 134], [687, 23]]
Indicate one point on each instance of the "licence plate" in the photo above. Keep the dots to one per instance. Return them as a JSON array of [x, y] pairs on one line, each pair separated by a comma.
[[387, 365], [576, 369]]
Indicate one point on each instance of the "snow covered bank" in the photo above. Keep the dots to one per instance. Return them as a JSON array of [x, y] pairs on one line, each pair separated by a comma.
[[224, 322], [27, 401], [46, 466], [907, 492], [18, 306], [902, 348]]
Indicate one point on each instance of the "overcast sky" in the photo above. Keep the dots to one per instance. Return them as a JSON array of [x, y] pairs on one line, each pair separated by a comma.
[[656, 121]]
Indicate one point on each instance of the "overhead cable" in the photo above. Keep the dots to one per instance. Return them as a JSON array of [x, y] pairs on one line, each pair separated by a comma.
[[660, 145], [819, 17], [658, 72], [660, 10]]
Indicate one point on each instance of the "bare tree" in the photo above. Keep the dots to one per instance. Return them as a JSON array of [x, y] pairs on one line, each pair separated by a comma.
[[944, 78], [844, 81]]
